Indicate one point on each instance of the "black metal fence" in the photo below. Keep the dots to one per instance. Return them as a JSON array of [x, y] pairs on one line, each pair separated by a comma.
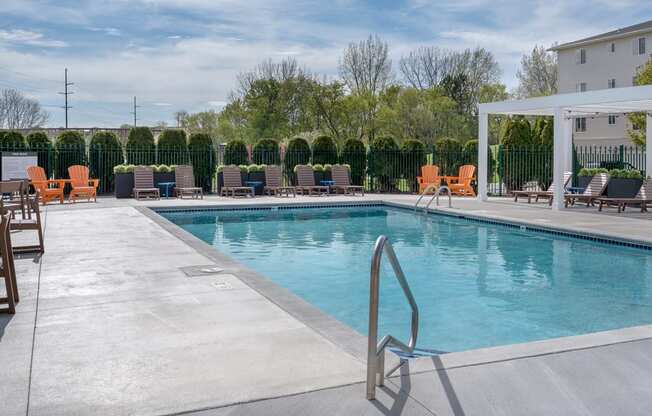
[[510, 168]]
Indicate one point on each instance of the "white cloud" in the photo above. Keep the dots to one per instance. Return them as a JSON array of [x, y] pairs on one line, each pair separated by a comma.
[[162, 104], [219, 104], [174, 37], [111, 31], [28, 37]]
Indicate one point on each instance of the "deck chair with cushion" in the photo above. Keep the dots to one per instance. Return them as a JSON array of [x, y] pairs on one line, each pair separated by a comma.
[[342, 181], [274, 183], [185, 183], [642, 198], [7, 270], [542, 194], [144, 183], [306, 182], [461, 184], [593, 191], [48, 189], [233, 183], [82, 185], [429, 178]]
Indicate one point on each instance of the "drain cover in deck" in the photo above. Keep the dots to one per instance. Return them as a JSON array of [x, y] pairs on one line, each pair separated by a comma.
[[206, 270]]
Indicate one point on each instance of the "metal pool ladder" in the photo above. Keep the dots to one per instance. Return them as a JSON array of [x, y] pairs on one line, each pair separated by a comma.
[[435, 196], [375, 349]]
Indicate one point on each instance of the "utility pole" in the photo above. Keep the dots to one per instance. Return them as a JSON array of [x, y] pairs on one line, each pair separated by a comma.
[[66, 93], [134, 112]]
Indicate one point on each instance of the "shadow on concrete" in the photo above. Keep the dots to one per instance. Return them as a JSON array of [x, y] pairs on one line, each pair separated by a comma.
[[400, 398], [446, 384], [5, 318]]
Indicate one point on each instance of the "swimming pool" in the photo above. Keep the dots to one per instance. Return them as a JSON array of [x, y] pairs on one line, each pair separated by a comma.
[[477, 284]]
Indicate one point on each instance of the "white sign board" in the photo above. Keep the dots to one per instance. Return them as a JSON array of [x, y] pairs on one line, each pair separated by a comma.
[[14, 164]]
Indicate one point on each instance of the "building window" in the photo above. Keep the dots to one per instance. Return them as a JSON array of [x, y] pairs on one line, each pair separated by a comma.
[[639, 46], [612, 119], [581, 56], [611, 83], [581, 87], [580, 124], [612, 47]]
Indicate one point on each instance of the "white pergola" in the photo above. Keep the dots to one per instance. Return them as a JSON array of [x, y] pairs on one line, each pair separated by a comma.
[[565, 108]]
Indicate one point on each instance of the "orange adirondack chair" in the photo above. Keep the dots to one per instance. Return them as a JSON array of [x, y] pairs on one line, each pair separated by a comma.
[[461, 185], [429, 176], [82, 186], [48, 189]]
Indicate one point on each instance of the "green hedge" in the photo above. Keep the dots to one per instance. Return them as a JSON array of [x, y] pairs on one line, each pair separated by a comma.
[[354, 154], [141, 149], [12, 141], [384, 163], [104, 153], [414, 156], [203, 158], [324, 150], [266, 152], [70, 150], [172, 147], [235, 153], [447, 154], [40, 143], [297, 153]]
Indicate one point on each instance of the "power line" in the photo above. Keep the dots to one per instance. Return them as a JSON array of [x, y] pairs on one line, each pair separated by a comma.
[[66, 93]]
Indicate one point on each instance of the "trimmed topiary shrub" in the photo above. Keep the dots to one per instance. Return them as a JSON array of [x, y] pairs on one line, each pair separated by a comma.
[[297, 153], [235, 153], [414, 156], [448, 156], [518, 154], [70, 150], [40, 143], [141, 149], [384, 163], [324, 150], [266, 152], [104, 153], [203, 158], [172, 147], [354, 154], [12, 141]]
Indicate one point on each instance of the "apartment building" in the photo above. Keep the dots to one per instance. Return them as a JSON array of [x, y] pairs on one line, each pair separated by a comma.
[[608, 60]]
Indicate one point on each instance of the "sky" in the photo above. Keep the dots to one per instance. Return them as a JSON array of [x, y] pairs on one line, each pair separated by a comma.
[[185, 54]]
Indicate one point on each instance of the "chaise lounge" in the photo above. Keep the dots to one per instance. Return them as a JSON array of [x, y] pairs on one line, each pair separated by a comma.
[[144, 183], [593, 191], [306, 182], [541, 194], [342, 181], [233, 183], [274, 183], [642, 198], [185, 183]]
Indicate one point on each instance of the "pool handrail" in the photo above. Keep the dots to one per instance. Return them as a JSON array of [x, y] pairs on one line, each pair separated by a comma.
[[435, 196], [375, 349]]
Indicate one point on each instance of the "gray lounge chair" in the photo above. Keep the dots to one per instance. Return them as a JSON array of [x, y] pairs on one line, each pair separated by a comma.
[[541, 194], [642, 198], [144, 183], [185, 183], [306, 182], [233, 183], [343, 182], [274, 183], [593, 191]]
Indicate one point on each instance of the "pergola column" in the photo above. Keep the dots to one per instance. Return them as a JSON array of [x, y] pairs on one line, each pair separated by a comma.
[[559, 159], [568, 144], [483, 149], [648, 145]]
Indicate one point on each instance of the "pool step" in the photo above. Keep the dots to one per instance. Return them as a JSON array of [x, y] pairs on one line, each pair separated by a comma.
[[405, 357]]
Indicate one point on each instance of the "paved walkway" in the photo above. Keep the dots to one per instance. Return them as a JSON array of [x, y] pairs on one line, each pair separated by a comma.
[[109, 323]]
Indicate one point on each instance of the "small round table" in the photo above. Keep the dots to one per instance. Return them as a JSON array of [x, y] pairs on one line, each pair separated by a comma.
[[255, 185], [166, 188]]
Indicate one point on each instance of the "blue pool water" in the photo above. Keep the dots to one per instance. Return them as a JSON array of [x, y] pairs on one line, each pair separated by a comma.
[[476, 284]]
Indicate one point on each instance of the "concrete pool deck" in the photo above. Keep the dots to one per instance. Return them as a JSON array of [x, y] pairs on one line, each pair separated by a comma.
[[109, 323]]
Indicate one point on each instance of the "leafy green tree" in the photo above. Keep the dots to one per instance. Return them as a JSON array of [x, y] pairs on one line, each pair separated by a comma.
[[384, 163], [518, 153], [40, 143], [203, 158], [324, 150], [638, 120], [235, 153], [206, 122], [141, 149], [448, 155], [266, 152], [172, 147], [70, 150], [354, 154], [104, 153], [12, 141], [414, 156], [297, 153]]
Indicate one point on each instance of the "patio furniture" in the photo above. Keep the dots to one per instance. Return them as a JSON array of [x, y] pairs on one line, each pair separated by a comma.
[[306, 182], [343, 182], [541, 194], [429, 178], [642, 198], [82, 185], [274, 183], [48, 189], [461, 184], [28, 206], [593, 191], [185, 183], [8, 271], [144, 183], [166, 187], [14, 195], [233, 183]]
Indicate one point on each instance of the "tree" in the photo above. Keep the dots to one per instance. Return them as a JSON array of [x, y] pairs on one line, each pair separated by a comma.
[[203, 158], [354, 154], [538, 74], [286, 70], [70, 150], [172, 147], [206, 122], [180, 116], [20, 112], [490, 93], [638, 120], [141, 149], [40, 143], [104, 152], [365, 66]]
